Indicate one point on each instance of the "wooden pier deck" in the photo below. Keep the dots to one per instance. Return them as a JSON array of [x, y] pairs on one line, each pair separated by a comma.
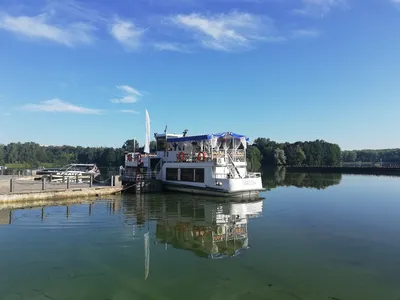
[[26, 189]]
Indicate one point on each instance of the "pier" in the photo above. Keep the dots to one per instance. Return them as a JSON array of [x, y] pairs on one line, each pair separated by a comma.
[[14, 188]]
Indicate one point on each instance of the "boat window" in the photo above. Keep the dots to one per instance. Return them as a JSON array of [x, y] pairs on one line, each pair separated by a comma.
[[172, 174], [199, 175], [187, 175]]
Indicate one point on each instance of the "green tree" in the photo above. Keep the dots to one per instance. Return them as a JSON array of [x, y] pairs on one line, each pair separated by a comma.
[[280, 158], [130, 145], [2, 155], [253, 158], [300, 156], [153, 146]]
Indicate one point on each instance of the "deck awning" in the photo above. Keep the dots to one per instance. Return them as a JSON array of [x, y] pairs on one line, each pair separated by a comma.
[[205, 137]]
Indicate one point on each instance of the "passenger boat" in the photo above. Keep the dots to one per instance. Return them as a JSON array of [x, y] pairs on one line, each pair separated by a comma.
[[209, 164], [71, 170]]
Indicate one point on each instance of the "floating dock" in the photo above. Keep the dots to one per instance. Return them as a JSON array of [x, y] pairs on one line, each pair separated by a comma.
[[13, 189]]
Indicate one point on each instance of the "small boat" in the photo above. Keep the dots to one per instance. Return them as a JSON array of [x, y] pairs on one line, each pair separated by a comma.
[[71, 170]]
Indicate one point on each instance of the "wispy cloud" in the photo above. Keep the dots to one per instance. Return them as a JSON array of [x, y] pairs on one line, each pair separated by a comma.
[[74, 9], [226, 32], [57, 105], [305, 33], [318, 8], [41, 27], [131, 96], [129, 111], [6, 114], [171, 47], [127, 33]]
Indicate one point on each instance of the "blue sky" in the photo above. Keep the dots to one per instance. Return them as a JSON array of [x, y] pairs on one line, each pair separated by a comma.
[[83, 72]]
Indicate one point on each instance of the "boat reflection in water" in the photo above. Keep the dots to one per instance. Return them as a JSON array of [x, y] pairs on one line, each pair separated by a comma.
[[211, 230]]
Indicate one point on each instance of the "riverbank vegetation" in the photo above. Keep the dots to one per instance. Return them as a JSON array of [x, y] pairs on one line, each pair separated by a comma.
[[263, 152], [33, 155]]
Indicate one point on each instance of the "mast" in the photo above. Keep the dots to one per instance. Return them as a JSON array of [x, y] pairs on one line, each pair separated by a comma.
[[147, 138]]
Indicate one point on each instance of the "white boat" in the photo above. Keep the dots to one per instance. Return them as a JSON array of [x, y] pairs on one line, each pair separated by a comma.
[[71, 170], [210, 164]]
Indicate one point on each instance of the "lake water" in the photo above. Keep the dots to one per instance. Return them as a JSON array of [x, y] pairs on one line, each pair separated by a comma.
[[338, 238]]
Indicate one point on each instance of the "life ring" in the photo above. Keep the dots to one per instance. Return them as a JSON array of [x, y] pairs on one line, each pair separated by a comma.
[[129, 157], [181, 156], [201, 156]]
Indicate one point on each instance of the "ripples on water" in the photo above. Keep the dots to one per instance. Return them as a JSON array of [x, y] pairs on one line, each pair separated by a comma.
[[338, 240]]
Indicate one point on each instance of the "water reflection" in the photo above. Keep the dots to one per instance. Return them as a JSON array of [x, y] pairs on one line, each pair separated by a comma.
[[212, 230], [273, 178]]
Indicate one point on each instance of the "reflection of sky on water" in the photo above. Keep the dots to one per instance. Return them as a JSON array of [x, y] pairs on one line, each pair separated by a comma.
[[341, 242]]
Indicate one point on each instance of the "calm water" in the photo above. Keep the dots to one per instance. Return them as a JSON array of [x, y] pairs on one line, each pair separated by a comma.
[[339, 238]]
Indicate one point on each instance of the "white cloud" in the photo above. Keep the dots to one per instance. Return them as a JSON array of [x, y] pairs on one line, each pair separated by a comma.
[[131, 97], [305, 33], [129, 111], [40, 27], [57, 105], [127, 33], [318, 7], [227, 32], [171, 47], [129, 89]]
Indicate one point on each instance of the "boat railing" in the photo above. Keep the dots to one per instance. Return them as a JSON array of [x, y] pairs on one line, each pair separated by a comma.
[[232, 176], [253, 175], [233, 155]]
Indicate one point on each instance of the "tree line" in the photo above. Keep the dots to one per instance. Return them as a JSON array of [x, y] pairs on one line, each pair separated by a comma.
[[262, 153], [265, 152], [373, 156], [35, 155]]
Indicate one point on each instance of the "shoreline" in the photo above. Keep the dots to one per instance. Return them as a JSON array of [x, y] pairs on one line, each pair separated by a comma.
[[348, 170]]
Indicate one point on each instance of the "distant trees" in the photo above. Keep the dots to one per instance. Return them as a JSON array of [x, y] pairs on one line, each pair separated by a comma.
[[34, 155], [316, 154], [2, 155], [386, 155]]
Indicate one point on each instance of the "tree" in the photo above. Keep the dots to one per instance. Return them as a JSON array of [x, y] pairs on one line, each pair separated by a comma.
[[2, 155], [280, 158], [153, 146], [129, 145], [300, 156], [253, 157]]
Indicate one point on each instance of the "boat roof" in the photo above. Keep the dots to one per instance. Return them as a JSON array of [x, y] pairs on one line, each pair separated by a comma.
[[169, 135], [207, 137]]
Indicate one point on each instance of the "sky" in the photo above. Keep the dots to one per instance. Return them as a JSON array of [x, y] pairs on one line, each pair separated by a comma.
[[84, 72]]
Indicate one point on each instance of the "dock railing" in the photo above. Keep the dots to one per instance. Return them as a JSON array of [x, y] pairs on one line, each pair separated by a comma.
[[47, 182]]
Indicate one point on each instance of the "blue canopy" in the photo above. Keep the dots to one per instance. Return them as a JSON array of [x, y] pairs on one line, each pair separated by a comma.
[[206, 137]]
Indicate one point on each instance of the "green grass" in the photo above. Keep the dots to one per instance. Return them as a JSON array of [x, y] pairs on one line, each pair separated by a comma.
[[28, 166]]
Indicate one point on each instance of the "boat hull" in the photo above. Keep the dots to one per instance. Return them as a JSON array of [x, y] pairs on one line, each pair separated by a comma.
[[243, 194]]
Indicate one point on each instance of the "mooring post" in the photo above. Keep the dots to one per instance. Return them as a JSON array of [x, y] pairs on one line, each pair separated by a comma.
[[51, 178], [67, 183], [112, 180], [11, 185], [77, 178], [91, 180], [43, 183], [63, 179]]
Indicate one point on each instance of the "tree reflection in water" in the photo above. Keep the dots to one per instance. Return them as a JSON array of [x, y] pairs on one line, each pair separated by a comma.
[[273, 178]]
